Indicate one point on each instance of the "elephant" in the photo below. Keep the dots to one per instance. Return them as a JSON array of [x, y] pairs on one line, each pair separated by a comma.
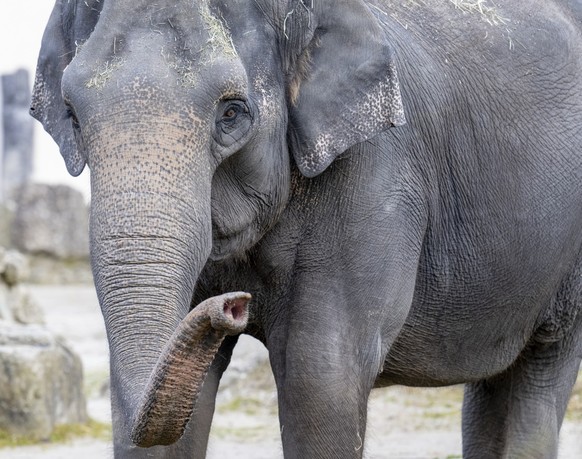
[[382, 192]]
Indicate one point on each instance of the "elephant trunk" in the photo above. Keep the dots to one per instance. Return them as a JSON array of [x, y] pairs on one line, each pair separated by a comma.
[[160, 352], [177, 378], [150, 238]]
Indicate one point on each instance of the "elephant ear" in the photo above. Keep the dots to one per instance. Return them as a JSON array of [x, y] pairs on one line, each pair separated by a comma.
[[70, 24], [344, 88]]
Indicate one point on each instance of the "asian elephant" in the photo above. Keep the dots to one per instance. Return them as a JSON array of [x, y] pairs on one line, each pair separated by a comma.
[[397, 184]]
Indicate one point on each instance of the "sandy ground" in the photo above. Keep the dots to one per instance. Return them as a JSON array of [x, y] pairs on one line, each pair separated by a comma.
[[403, 422]]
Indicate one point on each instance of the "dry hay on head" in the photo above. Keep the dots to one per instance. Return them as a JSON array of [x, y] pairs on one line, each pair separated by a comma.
[[220, 40], [104, 72]]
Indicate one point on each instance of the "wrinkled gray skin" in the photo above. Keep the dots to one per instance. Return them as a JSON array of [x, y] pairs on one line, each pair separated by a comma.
[[261, 146]]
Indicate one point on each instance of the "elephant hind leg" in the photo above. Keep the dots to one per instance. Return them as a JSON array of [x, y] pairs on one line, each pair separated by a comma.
[[518, 414]]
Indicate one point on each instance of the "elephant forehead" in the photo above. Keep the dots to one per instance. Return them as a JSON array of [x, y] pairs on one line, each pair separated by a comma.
[[219, 42], [207, 38], [210, 56], [189, 35]]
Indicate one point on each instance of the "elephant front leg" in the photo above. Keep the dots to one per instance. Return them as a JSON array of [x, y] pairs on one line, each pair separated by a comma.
[[329, 339], [322, 407], [325, 366]]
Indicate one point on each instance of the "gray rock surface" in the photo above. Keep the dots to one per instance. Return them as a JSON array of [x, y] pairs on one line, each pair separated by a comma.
[[14, 268], [24, 309], [41, 382], [16, 305], [40, 376], [6, 217], [51, 219]]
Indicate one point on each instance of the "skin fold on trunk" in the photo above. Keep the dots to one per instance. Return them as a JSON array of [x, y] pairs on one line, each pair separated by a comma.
[[177, 378]]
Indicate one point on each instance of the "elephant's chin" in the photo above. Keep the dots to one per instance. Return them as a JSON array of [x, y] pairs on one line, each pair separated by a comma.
[[225, 246]]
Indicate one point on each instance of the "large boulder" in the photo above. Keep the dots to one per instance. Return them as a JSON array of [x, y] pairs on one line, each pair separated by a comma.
[[6, 217], [41, 381], [51, 220], [41, 378], [13, 267], [16, 305]]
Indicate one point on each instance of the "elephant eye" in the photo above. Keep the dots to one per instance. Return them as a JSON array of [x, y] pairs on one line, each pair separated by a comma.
[[233, 122], [233, 110], [229, 114]]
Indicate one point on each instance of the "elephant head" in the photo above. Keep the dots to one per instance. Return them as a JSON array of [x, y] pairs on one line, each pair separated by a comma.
[[186, 114]]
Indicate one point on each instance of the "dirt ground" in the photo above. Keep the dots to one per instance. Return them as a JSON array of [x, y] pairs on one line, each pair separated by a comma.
[[403, 422]]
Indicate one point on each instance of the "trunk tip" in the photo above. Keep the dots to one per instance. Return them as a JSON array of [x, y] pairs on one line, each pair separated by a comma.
[[142, 440], [234, 314]]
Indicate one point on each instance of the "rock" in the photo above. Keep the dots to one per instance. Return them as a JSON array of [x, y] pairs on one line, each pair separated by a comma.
[[41, 380], [23, 308], [2, 259], [17, 306], [53, 220], [6, 218], [49, 270], [5, 309], [15, 268]]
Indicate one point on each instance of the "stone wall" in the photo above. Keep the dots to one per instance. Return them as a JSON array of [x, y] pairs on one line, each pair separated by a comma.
[[41, 378], [50, 225], [51, 220]]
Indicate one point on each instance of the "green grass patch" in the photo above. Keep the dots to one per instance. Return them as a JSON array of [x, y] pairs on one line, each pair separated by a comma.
[[61, 434], [93, 429], [246, 405], [243, 433]]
